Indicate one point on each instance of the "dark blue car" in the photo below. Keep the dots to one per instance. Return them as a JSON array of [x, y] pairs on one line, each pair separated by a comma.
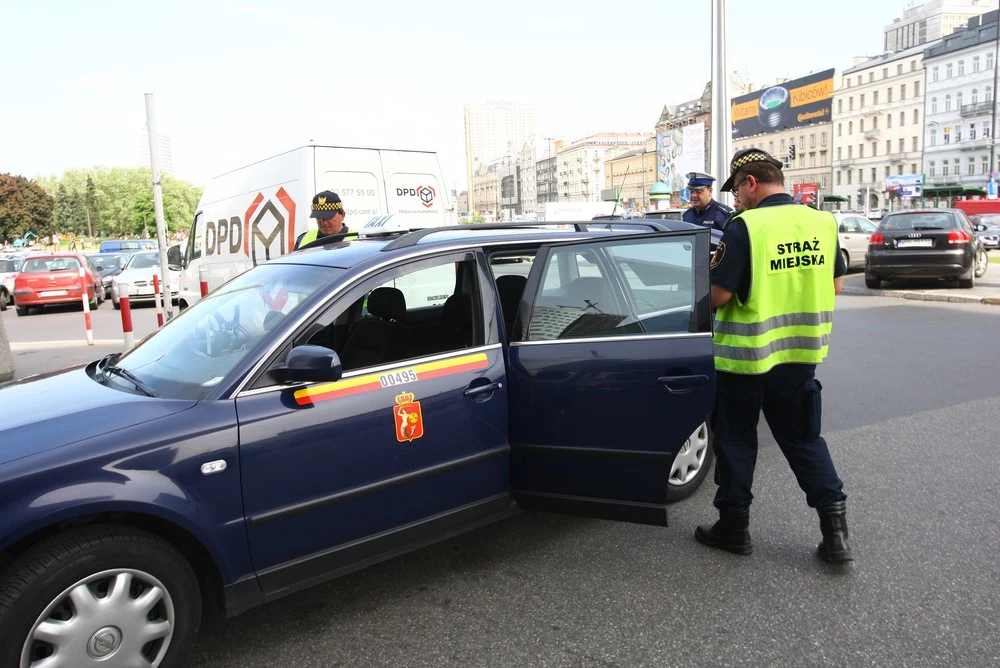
[[342, 405]]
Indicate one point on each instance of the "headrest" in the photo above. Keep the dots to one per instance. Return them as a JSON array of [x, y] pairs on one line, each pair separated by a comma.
[[387, 303]]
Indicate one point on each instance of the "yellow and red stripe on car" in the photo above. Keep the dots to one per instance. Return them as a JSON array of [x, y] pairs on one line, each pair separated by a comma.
[[390, 378]]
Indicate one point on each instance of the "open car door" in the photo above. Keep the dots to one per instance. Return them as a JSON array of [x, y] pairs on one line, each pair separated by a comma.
[[610, 370]]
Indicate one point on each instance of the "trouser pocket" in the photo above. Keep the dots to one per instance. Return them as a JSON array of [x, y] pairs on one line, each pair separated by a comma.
[[814, 408]]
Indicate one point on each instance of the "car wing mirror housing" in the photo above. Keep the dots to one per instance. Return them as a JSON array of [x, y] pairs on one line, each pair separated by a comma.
[[310, 364]]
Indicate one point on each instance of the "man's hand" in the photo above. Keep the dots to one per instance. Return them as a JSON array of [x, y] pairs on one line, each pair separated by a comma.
[[838, 285], [721, 295]]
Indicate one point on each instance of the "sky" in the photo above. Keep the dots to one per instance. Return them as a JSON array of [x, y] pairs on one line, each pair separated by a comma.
[[235, 81]]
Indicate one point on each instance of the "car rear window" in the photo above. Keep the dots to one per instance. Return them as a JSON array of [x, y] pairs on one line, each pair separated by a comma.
[[919, 221], [43, 264]]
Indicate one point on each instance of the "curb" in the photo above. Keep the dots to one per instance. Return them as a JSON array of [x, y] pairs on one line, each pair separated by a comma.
[[919, 296]]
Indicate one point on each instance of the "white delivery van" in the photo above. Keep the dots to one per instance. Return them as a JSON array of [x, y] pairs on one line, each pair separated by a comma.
[[255, 213]]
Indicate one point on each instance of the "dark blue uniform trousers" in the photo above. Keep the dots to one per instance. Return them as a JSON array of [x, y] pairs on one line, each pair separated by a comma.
[[789, 395]]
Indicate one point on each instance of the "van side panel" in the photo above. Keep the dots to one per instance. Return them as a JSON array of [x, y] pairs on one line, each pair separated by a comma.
[[250, 215], [415, 186], [356, 175]]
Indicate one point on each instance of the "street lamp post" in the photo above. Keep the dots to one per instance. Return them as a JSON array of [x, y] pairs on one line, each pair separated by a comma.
[[993, 125]]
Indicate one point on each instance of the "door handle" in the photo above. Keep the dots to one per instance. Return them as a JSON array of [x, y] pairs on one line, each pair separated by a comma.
[[682, 384], [483, 389]]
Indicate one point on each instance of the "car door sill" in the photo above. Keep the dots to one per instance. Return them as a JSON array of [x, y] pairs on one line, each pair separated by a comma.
[[301, 574]]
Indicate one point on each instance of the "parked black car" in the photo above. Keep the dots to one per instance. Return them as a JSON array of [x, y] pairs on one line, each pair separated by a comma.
[[109, 265], [937, 243]]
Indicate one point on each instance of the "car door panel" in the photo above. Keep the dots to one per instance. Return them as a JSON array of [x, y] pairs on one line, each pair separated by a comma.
[[597, 420], [388, 455]]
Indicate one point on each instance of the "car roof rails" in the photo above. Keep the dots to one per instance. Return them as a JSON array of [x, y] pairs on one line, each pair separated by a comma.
[[334, 238], [412, 238]]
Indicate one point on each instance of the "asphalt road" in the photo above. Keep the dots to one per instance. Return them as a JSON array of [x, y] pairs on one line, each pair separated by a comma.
[[912, 415]]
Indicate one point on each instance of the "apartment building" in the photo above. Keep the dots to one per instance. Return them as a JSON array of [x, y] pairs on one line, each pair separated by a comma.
[[878, 120], [580, 166], [930, 21], [960, 110], [494, 130], [634, 172]]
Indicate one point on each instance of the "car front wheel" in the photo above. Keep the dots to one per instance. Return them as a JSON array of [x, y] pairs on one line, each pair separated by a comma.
[[691, 465], [104, 597]]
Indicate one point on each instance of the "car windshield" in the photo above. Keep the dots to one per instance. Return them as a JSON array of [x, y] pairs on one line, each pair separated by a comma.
[[195, 351], [107, 260], [40, 265], [918, 221], [7, 266], [990, 220], [143, 261]]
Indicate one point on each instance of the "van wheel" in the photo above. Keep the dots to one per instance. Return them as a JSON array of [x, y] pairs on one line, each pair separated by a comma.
[[96, 596], [691, 465]]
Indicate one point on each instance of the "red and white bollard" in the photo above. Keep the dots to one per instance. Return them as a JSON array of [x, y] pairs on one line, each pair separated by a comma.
[[86, 306], [126, 309], [203, 279], [157, 297]]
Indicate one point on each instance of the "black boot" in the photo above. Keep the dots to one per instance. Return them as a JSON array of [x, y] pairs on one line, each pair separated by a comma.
[[833, 524], [730, 533]]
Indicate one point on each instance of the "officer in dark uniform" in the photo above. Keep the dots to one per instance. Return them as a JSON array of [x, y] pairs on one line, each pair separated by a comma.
[[329, 213], [705, 210], [774, 278]]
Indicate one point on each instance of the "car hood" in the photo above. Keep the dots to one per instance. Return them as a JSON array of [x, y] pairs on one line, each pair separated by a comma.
[[56, 409], [132, 275]]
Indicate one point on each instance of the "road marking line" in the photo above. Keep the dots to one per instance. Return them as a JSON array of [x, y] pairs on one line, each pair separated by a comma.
[[45, 345]]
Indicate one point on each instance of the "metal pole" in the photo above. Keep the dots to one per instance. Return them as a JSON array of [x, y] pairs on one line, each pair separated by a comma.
[[993, 126], [721, 111], [161, 227]]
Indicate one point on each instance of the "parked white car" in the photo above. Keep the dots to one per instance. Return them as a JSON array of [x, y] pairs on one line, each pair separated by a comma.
[[854, 232], [138, 273], [9, 266]]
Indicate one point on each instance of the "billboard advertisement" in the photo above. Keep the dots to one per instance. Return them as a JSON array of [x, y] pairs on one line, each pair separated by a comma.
[[805, 193], [904, 186], [678, 152], [792, 104]]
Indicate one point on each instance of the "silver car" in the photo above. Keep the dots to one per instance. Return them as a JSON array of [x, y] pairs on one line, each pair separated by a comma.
[[854, 232]]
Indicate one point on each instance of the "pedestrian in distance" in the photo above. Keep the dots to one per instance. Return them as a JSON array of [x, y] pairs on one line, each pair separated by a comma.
[[704, 210], [774, 281], [329, 213]]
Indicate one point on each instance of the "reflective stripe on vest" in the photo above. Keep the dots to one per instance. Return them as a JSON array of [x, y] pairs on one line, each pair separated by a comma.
[[788, 315]]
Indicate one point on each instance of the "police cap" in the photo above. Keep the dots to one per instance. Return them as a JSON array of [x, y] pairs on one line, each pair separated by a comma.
[[699, 180], [745, 157], [326, 204]]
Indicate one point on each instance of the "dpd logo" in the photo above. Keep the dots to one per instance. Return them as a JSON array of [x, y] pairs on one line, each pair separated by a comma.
[[269, 229], [426, 195]]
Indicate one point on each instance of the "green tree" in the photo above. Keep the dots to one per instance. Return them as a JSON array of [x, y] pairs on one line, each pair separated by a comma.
[[24, 206], [90, 207]]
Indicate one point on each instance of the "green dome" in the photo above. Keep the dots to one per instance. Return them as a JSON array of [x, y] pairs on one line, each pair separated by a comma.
[[659, 188]]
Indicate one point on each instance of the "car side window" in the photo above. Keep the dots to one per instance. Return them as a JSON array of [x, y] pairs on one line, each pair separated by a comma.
[[618, 288], [430, 309]]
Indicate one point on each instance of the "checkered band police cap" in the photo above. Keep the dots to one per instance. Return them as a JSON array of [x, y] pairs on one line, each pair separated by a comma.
[[745, 157], [326, 205]]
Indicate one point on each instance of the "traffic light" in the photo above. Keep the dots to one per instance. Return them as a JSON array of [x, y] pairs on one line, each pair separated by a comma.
[[791, 151]]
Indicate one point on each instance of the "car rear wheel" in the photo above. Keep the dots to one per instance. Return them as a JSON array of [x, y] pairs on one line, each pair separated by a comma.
[[4, 299], [103, 597], [847, 259], [21, 310], [873, 282], [691, 465], [982, 262], [967, 283]]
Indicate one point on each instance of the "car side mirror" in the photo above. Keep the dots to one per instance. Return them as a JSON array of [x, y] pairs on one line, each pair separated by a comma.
[[980, 227], [310, 364], [174, 260]]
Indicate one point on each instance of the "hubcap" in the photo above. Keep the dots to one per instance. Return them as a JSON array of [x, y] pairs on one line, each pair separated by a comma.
[[120, 617], [104, 642], [691, 457]]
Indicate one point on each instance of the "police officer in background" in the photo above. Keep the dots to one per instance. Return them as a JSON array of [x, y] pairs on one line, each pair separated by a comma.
[[704, 210], [329, 213], [774, 279]]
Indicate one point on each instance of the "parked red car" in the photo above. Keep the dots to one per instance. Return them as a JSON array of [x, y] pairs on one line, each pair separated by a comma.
[[55, 279]]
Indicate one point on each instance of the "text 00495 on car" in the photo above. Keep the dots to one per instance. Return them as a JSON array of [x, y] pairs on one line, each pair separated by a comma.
[[341, 405]]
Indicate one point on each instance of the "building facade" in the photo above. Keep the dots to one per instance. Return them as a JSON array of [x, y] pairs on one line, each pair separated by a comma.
[[634, 172], [931, 21], [527, 180], [166, 153], [486, 195], [581, 164], [811, 145], [878, 121], [492, 131], [960, 110]]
